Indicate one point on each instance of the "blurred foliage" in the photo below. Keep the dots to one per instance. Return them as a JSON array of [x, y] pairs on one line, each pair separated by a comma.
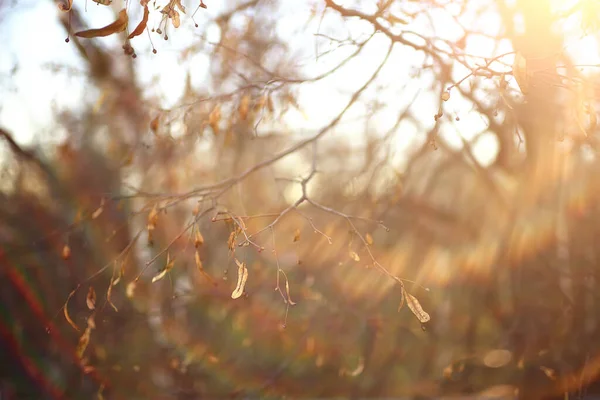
[[211, 249]]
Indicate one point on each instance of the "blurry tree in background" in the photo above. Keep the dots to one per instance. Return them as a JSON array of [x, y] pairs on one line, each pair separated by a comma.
[[387, 198]]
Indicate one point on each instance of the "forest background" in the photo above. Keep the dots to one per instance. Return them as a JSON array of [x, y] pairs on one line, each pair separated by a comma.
[[255, 198]]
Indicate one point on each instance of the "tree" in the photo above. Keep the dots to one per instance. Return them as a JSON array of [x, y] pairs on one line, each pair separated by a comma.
[[415, 180]]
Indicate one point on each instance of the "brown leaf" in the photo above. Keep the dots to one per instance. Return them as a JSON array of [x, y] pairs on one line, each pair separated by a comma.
[[66, 311], [198, 261], [103, 2], [91, 323], [109, 292], [357, 371], [401, 300], [99, 210], [241, 282], [69, 320], [244, 107], [241, 225], [201, 269], [138, 31], [97, 213], [198, 239], [121, 273], [130, 290], [167, 268], [118, 26], [369, 239], [287, 291], [152, 218], [549, 372], [296, 235], [270, 105], [178, 4], [214, 118], [66, 252], [416, 308], [99, 395], [155, 121], [231, 241], [84, 340], [90, 300], [174, 18]]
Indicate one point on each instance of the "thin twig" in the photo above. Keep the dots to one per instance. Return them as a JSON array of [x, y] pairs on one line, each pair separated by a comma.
[[194, 221]]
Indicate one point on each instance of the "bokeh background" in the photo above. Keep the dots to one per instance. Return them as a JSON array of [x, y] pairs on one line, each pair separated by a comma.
[[409, 189]]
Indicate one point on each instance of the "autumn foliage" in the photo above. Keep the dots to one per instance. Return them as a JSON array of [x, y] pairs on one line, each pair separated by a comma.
[[319, 199]]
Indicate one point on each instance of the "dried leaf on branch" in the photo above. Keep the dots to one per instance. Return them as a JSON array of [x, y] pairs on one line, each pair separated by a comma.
[[90, 299], [416, 307], [139, 29], [167, 268], [198, 239], [287, 292], [241, 282], [117, 26], [84, 339]]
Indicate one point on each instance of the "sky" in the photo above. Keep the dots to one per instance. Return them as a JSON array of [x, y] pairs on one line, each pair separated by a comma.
[[29, 98]]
